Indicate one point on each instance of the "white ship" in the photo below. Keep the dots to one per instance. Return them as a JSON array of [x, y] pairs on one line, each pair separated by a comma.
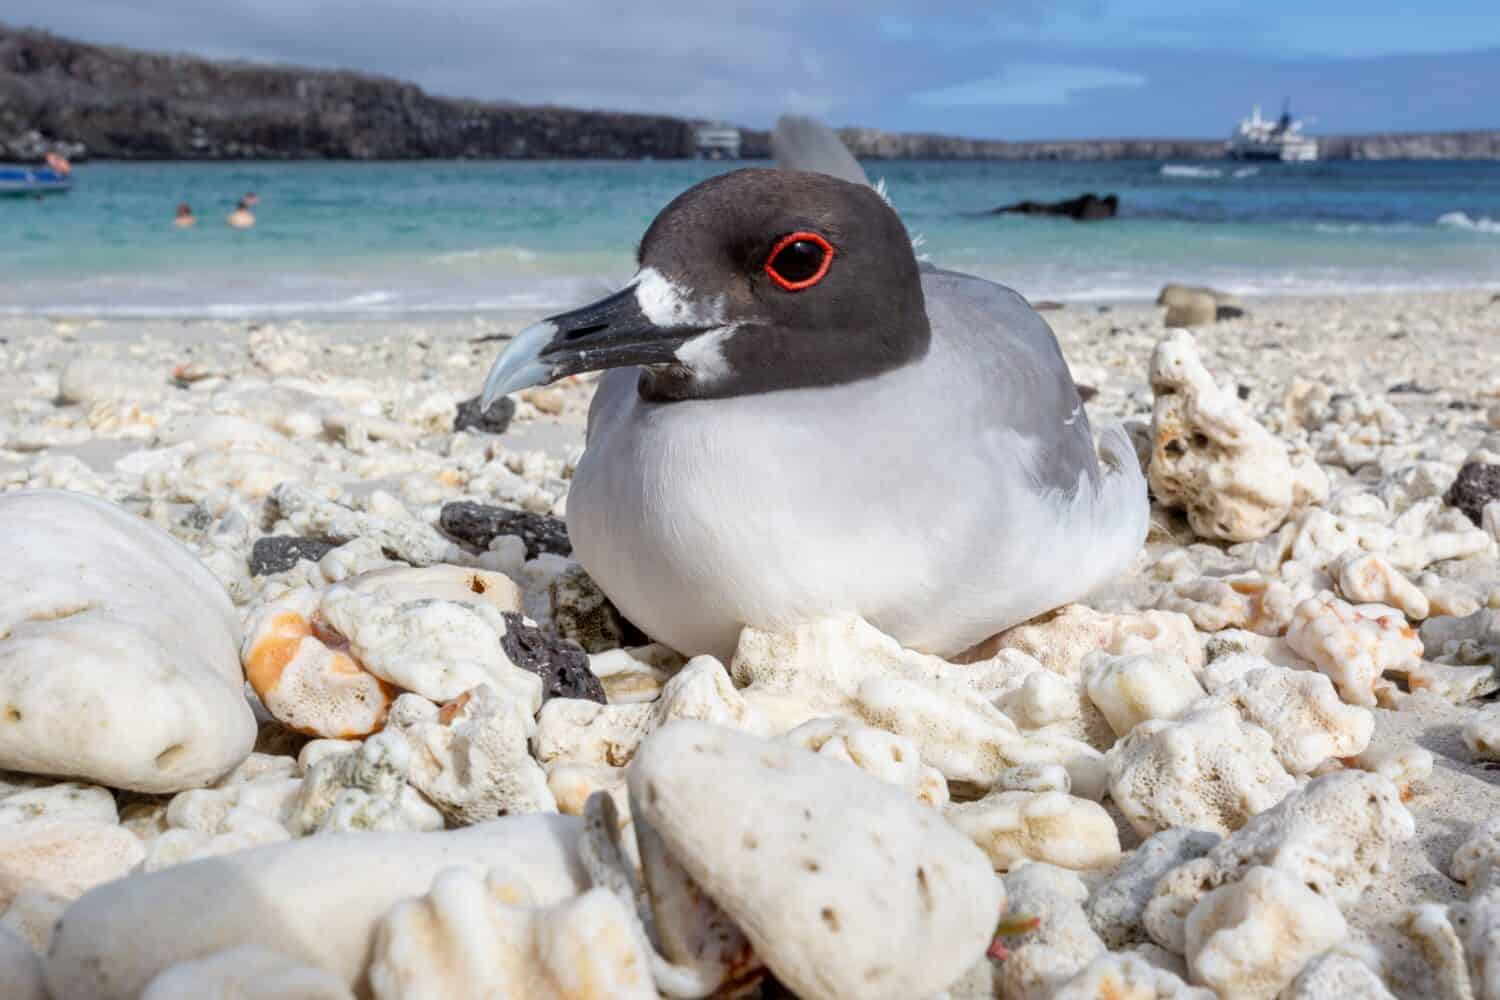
[[1257, 138]]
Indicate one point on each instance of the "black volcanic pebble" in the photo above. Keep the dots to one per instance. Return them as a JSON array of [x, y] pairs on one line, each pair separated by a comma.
[[1477, 484], [479, 524], [562, 666], [279, 553], [495, 420]]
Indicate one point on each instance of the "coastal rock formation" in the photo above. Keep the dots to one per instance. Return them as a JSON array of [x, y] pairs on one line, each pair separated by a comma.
[[147, 106], [1088, 207]]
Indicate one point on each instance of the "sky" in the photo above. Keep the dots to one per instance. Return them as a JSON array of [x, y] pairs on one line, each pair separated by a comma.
[[1015, 69]]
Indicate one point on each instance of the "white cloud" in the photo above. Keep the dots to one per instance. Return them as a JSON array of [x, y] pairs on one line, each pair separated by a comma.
[[1030, 83]]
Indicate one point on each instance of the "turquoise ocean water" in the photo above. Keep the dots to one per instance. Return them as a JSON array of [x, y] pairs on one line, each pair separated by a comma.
[[393, 238]]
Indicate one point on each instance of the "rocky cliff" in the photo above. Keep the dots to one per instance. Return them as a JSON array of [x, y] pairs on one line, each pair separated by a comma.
[[136, 105], [117, 103]]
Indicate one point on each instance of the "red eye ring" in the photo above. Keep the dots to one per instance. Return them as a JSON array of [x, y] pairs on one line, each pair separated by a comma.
[[788, 240]]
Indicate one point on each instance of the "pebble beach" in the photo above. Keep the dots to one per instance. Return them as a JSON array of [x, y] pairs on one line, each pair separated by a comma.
[[302, 694]]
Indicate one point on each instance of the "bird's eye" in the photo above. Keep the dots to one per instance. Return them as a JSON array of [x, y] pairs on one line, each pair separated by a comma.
[[799, 260]]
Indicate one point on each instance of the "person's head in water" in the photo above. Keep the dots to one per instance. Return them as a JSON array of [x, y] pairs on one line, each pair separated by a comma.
[[249, 200], [241, 218], [184, 216]]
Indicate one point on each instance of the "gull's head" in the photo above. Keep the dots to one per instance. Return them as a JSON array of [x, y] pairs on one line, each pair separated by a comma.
[[752, 281]]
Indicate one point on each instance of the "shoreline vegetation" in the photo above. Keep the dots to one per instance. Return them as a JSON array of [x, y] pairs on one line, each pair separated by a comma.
[[107, 102]]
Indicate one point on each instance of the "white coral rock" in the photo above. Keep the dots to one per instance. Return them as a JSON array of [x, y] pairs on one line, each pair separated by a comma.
[[1126, 976], [434, 637], [307, 678], [1301, 711], [361, 789], [1014, 827], [1476, 862], [891, 758], [575, 731], [1251, 938], [1333, 976], [1060, 946], [1249, 600], [248, 972], [246, 808], [1062, 639], [796, 872], [1132, 689], [1207, 769], [1369, 578], [1210, 457], [1354, 646], [471, 758], [1482, 733], [1333, 836], [473, 936]]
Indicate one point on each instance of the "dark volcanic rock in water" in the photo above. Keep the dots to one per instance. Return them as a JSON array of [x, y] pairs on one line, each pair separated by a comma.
[[1085, 208], [479, 524], [562, 666], [1477, 484], [279, 553], [495, 420]]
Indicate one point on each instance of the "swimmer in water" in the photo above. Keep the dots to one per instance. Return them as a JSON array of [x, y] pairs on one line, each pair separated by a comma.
[[241, 217], [185, 217]]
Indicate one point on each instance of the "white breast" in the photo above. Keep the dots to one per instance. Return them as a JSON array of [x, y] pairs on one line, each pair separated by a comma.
[[699, 517]]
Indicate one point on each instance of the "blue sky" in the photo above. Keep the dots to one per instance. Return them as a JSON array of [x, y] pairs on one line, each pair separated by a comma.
[[1020, 69]]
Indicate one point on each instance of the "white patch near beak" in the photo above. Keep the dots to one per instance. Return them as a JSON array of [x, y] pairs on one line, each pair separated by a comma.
[[667, 304], [703, 355]]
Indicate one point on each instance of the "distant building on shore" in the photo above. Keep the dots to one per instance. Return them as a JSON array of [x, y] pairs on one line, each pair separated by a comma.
[[717, 142]]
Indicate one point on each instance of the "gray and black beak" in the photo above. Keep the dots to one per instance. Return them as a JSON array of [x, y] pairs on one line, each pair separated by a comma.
[[611, 333]]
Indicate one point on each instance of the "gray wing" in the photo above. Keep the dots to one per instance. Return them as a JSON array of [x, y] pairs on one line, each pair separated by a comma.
[[987, 334], [800, 143]]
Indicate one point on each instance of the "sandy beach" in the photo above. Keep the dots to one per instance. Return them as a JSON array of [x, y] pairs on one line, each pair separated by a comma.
[[342, 434]]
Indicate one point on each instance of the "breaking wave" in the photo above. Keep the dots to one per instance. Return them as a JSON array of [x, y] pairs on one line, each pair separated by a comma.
[[1461, 220]]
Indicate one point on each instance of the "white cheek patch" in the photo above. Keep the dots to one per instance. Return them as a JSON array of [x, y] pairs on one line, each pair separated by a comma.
[[668, 305], [703, 355]]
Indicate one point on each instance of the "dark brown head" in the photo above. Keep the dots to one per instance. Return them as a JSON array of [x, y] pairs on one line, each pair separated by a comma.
[[752, 281]]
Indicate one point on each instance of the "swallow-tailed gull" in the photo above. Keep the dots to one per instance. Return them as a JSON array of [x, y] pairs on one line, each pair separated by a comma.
[[799, 421]]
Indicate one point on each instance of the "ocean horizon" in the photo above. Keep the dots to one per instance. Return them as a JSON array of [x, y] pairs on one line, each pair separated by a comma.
[[431, 237]]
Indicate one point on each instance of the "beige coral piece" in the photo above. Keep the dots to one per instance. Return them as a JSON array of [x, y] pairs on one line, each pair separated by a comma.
[[1334, 836], [1062, 639], [481, 936], [1250, 939], [1015, 827], [893, 759], [1354, 646], [1209, 456], [63, 857], [1207, 769], [1132, 689], [1127, 976], [305, 675]]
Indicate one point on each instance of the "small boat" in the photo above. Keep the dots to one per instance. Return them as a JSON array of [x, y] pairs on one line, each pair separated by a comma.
[[16, 179], [1257, 138]]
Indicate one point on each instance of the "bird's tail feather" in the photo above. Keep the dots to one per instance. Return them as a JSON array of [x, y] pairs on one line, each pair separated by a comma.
[[801, 143]]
